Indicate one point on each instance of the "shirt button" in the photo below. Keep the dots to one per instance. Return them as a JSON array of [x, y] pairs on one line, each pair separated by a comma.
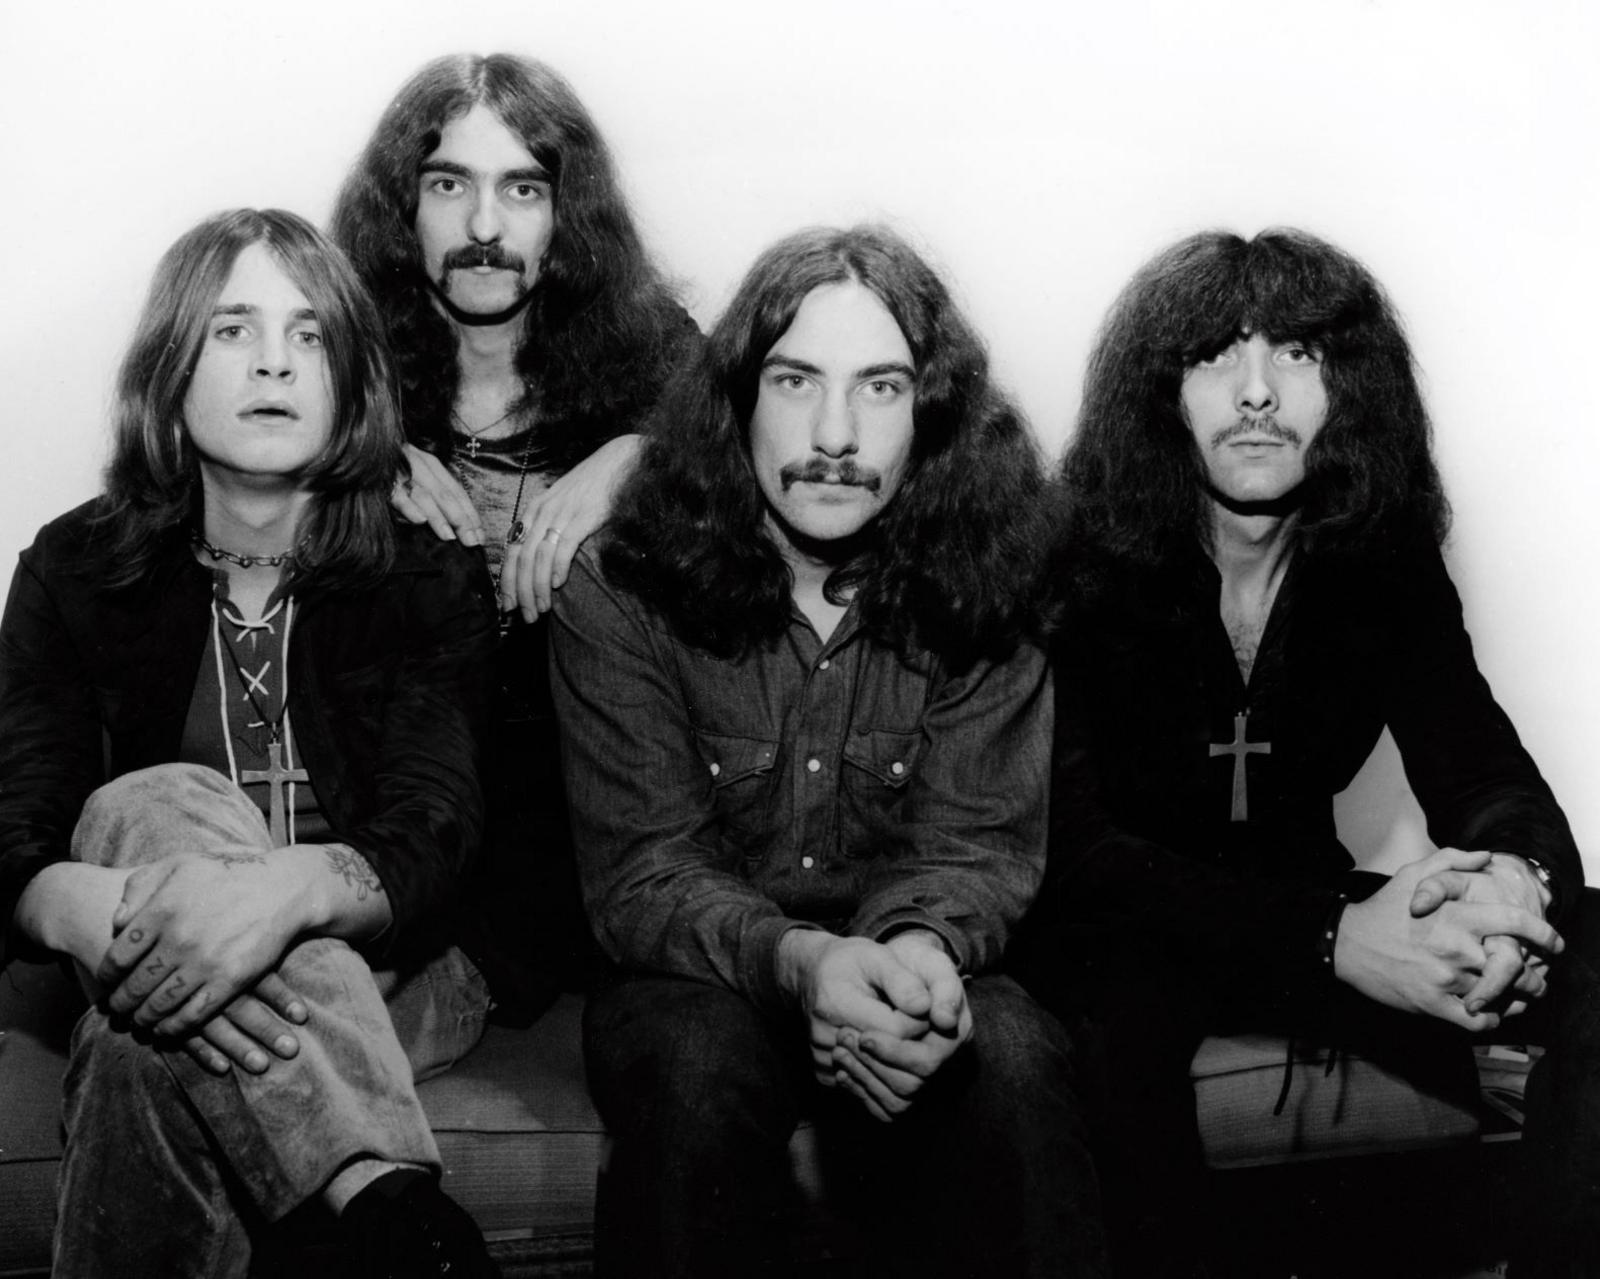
[[897, 768], [824, 664], [715, 769], [808, 862], [813, 765]]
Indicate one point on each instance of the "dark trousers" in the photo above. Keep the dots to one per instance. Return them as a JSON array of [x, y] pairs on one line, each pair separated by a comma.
[[1141, 1027], [988, 1174]]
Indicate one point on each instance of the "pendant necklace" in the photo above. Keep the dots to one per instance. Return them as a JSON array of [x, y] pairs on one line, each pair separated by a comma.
[[277, 775], [473, 443], [472, 447]]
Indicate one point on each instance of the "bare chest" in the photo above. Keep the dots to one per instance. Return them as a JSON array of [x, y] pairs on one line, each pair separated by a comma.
[[1244, 617]]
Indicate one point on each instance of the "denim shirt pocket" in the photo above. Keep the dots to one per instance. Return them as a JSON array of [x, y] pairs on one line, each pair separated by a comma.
[[741, 770], [878, 764], [888, 758]]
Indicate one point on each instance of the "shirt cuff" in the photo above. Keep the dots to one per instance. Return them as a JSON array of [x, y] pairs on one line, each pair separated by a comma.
[[899, 921]]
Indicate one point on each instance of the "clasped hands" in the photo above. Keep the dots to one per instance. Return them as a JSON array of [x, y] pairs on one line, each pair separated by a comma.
[[1457, 935], [882, 1016], [195, 940]]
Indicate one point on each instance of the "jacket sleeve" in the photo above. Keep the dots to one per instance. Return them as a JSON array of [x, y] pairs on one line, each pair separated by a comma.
[[51, 754], [1477, 785], [425, 819], [973, 830], [660, 882]]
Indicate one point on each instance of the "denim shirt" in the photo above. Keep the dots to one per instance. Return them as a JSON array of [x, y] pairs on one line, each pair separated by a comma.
[[718, 803]]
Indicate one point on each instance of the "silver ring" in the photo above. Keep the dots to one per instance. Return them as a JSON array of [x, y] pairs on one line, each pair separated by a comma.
[[551, 535]]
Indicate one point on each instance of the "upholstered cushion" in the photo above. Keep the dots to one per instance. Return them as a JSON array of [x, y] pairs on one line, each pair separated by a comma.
[[519, 1138], [38, 1007], [1359, 1108], [521, 1142]]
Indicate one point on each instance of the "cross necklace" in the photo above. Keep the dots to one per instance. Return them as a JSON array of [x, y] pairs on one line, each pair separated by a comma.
[[276, 775], [474, 443], [1239, 747]]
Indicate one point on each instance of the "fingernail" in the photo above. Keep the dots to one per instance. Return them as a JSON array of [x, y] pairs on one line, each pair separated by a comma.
[[297, 1012], [1475, 1006], [285, 1045], [255, 1061]]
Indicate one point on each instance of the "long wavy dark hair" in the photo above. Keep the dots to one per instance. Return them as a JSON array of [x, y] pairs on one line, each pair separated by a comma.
[[1133, 476], [601, 327], [952, 564], [153, 488]]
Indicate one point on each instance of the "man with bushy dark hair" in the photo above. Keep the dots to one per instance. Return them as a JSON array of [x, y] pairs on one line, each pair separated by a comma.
[[806, 732], [1254, 591], [531, 334]]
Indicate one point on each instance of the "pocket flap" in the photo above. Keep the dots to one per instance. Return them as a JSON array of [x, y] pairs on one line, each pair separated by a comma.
[[731, 758], [889, 756]]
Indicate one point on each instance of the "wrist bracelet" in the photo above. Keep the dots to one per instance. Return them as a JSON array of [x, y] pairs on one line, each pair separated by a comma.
[[1330, 931]]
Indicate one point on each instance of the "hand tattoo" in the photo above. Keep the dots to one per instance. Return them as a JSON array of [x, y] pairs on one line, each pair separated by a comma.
[[352, 867]]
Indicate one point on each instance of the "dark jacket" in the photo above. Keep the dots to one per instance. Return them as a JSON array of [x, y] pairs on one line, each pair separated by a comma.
[[387, 692], [1146, 860]]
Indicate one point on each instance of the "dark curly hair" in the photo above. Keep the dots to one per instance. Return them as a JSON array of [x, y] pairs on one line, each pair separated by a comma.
[[153, 489], [602, 326], [952, 565], [1133, 478]]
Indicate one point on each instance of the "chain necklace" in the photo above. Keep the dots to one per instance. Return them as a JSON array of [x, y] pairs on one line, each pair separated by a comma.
[[243, 561], [473, 443], [518, 529]]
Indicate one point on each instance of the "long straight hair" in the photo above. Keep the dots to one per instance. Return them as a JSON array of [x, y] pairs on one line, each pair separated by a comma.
[[153, 487], [601, 328]]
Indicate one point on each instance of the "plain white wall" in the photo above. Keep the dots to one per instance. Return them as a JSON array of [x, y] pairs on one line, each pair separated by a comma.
[[1040, 151]]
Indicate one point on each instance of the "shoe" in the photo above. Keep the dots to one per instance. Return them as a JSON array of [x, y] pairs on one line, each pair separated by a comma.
[[403, 1226]]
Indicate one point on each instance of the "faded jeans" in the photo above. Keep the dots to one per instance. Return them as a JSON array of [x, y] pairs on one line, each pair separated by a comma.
[[164, 1161]]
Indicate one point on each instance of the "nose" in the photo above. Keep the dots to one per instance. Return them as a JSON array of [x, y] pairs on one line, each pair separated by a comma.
[[483, 222], [1257, 388], [272, 357], [833, 429]]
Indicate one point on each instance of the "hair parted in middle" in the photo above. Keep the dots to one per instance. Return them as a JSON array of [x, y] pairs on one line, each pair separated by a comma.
[[601, 328], [153, 487], [1133, 479], [952, 565]]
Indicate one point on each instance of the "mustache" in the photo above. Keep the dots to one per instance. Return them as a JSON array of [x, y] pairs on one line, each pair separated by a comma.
[[1266, 425], [818, 470], [493, 255]]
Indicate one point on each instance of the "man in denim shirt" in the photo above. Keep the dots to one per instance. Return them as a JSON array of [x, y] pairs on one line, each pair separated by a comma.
[[806, 738]]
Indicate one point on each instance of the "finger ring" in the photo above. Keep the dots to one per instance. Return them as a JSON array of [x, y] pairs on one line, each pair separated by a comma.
[[519, 530], [552, 535]]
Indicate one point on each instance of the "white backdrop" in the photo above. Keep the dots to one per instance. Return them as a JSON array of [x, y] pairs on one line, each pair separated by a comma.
[[1040, 151]]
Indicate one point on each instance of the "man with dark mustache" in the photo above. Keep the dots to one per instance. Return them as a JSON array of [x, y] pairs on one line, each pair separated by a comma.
[[531, 333], [805, 733], [1254, 590]]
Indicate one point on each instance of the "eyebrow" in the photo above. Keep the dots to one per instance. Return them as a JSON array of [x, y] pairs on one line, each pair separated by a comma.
[[246, 309], [536, 173], [805, 366]]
